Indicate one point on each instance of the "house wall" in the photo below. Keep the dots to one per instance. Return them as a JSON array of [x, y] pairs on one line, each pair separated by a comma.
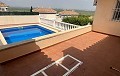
[[103, 18], [10, 20], [48, 16], [3, 9]]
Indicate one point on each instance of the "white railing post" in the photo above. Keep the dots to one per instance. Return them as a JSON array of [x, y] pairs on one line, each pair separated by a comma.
[[54, 23], [59, 25]]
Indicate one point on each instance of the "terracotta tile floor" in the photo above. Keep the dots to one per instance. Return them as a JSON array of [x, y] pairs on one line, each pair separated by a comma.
[[98, 52]]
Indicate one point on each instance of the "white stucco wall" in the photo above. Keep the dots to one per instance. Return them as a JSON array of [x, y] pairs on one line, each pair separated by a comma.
[[9, 20], [48, 16], [3, 9]]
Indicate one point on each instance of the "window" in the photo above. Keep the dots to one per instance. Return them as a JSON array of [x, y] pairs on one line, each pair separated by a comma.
[[116, 15]]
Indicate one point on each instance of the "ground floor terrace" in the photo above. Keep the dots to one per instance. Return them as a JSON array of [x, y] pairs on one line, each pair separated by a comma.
[[97, 51]]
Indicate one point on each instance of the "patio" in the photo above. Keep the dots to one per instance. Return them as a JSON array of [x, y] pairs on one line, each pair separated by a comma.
[[97, 51]]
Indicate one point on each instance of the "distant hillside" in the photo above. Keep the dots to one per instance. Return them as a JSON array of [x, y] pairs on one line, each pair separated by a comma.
[[19, 9], [82, 12], [58, 10]]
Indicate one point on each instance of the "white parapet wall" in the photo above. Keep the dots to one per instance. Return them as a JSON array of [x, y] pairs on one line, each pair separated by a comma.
[[13, 20], [9, 52]]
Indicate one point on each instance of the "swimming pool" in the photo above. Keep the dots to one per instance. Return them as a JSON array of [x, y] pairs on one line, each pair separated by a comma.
[[18, 34]]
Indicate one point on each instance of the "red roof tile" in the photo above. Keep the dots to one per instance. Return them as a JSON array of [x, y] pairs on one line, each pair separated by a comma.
[[44, 10]]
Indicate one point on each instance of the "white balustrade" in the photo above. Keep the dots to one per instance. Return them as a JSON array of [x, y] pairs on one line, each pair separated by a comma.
[[59, 25]]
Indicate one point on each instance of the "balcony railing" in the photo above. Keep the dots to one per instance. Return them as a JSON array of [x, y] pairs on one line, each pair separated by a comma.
[[59, 25]]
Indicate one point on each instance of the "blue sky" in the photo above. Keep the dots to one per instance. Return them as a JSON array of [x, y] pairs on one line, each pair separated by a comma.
[[64, 4]]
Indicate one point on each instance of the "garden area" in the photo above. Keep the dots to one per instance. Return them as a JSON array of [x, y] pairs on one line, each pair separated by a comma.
[[81, 20]]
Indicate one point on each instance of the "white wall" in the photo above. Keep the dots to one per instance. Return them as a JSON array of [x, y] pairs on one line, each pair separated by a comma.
[[3, 9], [9, 20], [48, 16]]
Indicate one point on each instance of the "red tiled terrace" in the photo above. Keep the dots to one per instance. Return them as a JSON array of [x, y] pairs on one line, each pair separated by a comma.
[[97, 51]]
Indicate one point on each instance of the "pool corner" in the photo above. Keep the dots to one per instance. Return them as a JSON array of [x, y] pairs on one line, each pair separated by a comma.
[[2, 39]]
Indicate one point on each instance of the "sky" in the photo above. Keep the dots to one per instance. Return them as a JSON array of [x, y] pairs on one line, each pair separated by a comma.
[[63, 4]]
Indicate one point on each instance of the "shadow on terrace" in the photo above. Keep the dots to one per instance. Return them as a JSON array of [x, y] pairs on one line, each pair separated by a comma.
[[101, 54]]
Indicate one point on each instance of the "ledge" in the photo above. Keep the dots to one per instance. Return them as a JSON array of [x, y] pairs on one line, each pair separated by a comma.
[[11, 51]]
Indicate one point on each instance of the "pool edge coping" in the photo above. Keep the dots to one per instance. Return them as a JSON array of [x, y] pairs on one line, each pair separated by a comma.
[[3, 47]]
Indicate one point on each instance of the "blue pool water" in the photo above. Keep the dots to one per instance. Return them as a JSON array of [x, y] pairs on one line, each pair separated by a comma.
[[18, 34]]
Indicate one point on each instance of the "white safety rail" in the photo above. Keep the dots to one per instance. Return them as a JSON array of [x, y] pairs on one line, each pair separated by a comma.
[[59, 25], [47, 21], [58, 62]]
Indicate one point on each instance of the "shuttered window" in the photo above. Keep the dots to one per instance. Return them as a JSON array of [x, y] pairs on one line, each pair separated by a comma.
[[116, 15]]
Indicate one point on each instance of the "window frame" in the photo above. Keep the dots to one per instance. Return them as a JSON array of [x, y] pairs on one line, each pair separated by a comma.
[[116, 12]]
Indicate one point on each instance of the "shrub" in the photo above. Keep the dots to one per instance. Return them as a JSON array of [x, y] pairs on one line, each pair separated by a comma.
[[80, 20]]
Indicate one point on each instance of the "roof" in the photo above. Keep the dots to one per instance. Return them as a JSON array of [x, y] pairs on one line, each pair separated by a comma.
[[68, 12], [45, 10], [3, 4]]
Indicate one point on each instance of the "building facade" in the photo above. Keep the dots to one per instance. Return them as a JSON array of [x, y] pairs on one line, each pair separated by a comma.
[[47, 13], [107, 17], [3, 7], [68, 13]]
